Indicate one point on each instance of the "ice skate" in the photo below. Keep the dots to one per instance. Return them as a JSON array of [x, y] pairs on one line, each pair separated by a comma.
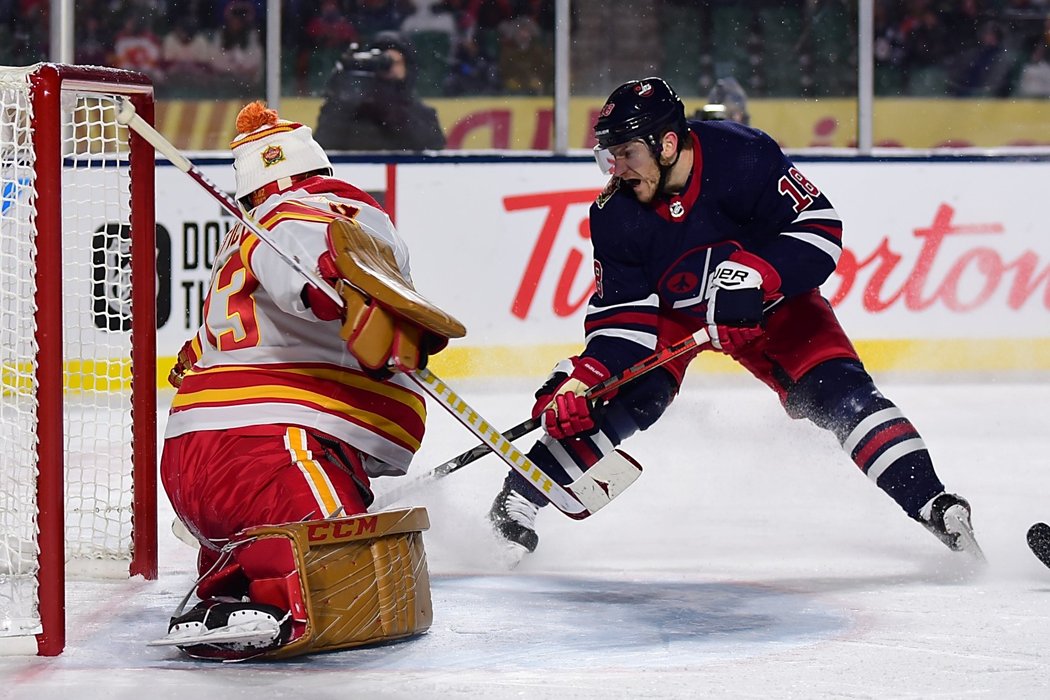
[[948, 517], [228, 629], [513, 517]]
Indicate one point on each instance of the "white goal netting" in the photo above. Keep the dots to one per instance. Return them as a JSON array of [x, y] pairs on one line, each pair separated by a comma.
[[93, 262]]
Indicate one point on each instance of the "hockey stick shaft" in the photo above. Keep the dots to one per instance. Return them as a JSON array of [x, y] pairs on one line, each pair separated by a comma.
[[559, 497], [522, 429], [127, 115]]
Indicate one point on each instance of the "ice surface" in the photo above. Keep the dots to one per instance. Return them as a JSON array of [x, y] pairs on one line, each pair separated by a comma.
[[751, 559]]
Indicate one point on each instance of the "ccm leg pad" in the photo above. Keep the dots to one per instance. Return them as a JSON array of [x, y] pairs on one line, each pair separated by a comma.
[[364, 579]]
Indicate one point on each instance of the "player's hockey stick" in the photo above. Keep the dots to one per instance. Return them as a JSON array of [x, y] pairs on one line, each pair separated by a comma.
[[578, 500], [593, 490], [595, 393]]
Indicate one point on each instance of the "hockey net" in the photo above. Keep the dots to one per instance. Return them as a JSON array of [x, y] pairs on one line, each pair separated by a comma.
[[77, 341]]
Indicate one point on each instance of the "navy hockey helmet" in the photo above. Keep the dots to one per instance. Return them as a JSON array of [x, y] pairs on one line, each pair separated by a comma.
[[640, 109]]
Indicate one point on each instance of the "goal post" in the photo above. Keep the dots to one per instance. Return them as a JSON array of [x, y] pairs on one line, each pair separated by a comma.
[[78, 371]]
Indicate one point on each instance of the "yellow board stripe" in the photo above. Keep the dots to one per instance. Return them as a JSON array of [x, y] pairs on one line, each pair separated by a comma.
[[316, 477]]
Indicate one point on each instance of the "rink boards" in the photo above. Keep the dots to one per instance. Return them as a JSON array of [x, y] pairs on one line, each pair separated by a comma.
[[946, 262]]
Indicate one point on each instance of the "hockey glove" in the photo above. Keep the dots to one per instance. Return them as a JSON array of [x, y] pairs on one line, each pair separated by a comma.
[[741, 289], [184, 362], [561, 403]]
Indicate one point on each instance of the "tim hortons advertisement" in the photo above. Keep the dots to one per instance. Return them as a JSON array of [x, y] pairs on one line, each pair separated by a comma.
[[946, 265]]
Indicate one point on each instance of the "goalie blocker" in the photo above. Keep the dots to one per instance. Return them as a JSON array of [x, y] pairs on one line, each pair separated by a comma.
[[363, 580]]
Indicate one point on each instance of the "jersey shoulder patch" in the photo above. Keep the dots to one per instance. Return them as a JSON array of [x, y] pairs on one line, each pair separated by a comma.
[[606, 194]]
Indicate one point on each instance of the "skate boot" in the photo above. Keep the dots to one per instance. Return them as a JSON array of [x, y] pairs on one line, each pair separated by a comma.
[[948, 517], [513, 517], [227, 629]]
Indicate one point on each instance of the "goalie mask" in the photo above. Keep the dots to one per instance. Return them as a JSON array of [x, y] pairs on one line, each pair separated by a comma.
[[272, 151]]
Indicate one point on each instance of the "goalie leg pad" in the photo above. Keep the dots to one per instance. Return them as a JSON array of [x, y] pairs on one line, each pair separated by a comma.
[[365, 579]]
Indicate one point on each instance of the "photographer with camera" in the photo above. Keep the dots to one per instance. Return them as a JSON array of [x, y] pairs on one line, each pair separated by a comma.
[[370, 102]]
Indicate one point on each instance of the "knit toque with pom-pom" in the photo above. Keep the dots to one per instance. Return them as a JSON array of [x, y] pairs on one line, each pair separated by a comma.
[[268, 149]]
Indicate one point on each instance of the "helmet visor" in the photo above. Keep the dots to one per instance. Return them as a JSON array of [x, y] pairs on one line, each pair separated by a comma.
[[606, 160], [632, 155]]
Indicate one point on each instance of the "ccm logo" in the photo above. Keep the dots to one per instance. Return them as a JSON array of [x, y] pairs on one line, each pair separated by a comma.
[[341, 529]]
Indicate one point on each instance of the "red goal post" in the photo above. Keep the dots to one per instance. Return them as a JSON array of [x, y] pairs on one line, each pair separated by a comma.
[[77, 341]]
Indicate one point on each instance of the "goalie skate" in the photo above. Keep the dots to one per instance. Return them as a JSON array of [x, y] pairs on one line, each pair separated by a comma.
[[949, 521], [220, 629]]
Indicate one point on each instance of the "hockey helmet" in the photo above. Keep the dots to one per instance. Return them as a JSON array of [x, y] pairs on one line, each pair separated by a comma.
[[640, 109]]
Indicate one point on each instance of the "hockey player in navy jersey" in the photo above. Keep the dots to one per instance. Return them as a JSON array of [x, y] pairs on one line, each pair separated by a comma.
[[708, 223]]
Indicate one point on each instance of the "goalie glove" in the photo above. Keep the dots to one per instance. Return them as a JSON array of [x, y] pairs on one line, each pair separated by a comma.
[[562, 404], [386, 323], [741, 289]]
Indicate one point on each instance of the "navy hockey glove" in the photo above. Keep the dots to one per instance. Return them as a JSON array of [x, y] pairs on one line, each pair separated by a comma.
[[741, 289], [561, 403]]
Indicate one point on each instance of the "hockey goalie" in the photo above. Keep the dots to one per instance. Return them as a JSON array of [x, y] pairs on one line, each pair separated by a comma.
[[290, 399]]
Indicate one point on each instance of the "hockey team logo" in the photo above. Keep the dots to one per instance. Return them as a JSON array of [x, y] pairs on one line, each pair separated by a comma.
[[272, 156], [644, 90], [677, 209]]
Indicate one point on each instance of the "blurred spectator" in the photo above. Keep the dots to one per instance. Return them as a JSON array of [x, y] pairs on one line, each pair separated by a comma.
[[238, 57], [924, 45], [374, 16], [727, 100], [430, 17], [984, 69], [137, 48], [330, 28], [471, 72], [370, 102], [1034, 80], [94, 44], [186, 52], [526, 62]]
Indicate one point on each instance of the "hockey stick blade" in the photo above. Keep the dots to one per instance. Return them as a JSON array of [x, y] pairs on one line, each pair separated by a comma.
[[594, 493], [1039, 542]]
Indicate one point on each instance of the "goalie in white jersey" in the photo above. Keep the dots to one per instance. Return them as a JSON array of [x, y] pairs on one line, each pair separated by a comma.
[[289, 402]]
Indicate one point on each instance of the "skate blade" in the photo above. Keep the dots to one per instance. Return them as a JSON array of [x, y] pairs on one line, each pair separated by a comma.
[[957, 522], [255, 637]]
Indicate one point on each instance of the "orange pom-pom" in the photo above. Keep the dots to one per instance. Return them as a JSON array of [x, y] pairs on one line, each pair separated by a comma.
[[253, 116]]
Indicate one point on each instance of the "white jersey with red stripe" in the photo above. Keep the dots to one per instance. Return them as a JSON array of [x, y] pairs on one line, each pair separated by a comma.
[[266, 359]]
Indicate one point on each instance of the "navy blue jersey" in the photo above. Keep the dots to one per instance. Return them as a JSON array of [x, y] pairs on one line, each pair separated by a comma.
[[654, 260]]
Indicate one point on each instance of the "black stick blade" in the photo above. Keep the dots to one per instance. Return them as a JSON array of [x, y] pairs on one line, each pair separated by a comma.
[[1039, 541]]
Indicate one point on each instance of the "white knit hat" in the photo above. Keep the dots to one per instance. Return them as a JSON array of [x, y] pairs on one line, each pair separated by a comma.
[[267, 149]]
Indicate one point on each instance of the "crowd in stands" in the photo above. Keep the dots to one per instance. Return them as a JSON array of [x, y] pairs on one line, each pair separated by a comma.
[[963, 48], [206, 48], [213, 47]]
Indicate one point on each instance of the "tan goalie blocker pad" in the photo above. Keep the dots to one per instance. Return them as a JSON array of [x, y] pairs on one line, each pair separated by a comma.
[[364, 579], [373, 336]]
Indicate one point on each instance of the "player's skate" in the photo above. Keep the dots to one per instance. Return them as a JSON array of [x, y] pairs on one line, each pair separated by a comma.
[[228, 629], [513, 517], [948, 517]]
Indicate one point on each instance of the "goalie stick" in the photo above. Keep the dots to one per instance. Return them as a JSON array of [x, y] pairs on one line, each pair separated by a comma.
[[522, 429], [1039, 542], [578, 500]]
